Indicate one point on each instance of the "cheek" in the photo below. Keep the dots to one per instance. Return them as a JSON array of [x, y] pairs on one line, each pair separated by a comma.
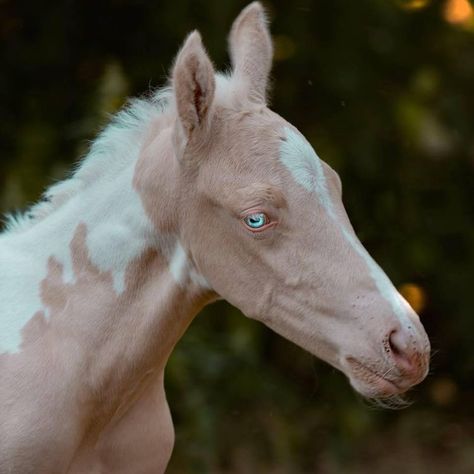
[[229, 265]]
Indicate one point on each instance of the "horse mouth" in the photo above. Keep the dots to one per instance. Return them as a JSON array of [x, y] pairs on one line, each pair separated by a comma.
[[370, 382]]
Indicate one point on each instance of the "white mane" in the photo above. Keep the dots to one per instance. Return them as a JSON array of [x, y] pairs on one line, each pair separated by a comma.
[[112, 149]]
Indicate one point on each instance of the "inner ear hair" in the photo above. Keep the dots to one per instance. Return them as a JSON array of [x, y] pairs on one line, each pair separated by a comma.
[[194, 84]]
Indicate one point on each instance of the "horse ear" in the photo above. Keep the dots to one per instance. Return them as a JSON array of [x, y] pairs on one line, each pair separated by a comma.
[[251, 50], [194, 84]]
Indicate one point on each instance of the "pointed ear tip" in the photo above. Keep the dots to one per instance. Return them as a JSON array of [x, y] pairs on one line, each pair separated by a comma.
[[254, 7], [192, 57], [192, 47], [257, 9], [194, 38], [254, 12]]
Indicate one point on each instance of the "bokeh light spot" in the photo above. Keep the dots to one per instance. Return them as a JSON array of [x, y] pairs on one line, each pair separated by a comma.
[[458, 11], [443, 391], [415, 295], [413, 4]]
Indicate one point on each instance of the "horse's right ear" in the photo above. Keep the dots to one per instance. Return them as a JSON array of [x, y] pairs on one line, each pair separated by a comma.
[[194, 85]]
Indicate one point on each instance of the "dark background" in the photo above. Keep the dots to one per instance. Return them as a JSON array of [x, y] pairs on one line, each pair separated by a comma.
[[384, 91]]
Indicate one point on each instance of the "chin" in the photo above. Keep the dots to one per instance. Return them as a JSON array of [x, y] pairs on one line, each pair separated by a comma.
[[378, 387], [381, 393], [374, 386]]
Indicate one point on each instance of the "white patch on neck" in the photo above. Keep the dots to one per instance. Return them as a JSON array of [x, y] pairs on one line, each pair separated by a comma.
[[179, 264], [199, 279], [100, 194], [118, 231], [125, 225], [304, 164], [181, 269]]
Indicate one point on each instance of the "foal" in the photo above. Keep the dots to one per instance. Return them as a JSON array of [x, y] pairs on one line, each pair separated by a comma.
[[197, 194]]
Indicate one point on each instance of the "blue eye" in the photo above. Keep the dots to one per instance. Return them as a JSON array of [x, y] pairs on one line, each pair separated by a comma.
[[257, 220]]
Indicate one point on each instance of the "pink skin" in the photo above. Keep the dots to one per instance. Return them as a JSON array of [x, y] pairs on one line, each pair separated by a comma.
[[85, 393]]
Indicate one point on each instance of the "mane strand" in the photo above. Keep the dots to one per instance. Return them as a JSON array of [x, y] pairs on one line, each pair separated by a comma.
[[113, 148]]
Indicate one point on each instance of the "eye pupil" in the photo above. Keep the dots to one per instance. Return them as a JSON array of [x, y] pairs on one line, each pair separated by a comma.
[[256, 220]]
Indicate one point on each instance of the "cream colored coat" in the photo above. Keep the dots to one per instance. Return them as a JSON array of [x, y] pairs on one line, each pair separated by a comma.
[[101, 282]]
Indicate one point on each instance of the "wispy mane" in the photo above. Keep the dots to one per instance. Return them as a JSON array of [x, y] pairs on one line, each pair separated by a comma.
[[113, 149]]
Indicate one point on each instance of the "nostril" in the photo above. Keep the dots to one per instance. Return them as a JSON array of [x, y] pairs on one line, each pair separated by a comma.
[[399, 344], [407, 351], [396, 343]]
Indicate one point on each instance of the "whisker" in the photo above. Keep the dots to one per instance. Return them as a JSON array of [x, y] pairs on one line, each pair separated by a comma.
[[387, 372], [394, 402]]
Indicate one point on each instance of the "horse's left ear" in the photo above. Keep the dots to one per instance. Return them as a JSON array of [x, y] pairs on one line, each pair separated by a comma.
[[194, 85], [251, 50]]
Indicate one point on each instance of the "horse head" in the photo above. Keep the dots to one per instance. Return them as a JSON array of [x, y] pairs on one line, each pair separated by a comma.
[[261, 217]]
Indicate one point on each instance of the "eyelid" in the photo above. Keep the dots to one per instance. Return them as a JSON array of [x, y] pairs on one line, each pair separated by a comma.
[[254, 210]]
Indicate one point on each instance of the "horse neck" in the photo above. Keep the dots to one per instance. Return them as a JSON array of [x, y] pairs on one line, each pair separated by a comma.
[[100, 288]]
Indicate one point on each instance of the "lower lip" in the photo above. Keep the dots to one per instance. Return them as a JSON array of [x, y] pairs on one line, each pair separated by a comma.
[[385, 386], [377, 383]]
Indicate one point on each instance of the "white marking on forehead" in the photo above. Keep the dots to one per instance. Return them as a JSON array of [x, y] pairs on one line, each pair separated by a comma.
[[306, 168]]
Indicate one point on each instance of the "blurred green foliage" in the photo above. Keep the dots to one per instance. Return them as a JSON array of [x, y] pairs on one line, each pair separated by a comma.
[[384, 91]]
